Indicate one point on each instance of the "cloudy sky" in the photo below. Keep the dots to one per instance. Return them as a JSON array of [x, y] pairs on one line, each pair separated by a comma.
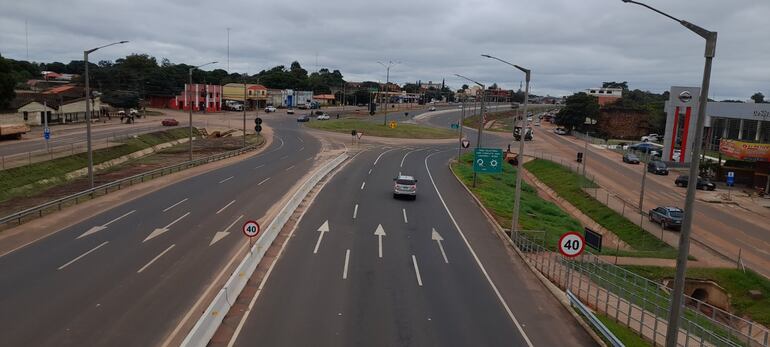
[[569, 44]]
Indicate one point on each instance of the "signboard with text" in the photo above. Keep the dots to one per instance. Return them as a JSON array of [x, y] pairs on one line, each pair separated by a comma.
[[488, 160], [745, 150]]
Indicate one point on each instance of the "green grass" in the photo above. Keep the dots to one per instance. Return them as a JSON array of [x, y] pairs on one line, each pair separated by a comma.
[[21, 181], [629, 337], [371, 128], [496, 192], [568, 185]]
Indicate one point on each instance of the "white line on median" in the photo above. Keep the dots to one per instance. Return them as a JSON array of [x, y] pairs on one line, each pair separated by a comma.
[[289, 168], [405, 220], [226, 179], [417, 270], [226, 206], [174, 205], [83, 255], [363, 184], [154, 259], [345, 270], [355, 211], [263, 181]]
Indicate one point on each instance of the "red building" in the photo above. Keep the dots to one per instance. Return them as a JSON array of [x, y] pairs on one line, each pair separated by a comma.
[[202, 97]]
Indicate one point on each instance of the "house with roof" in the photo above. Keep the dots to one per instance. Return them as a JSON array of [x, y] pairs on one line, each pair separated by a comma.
[[325, 99], [70, 111]]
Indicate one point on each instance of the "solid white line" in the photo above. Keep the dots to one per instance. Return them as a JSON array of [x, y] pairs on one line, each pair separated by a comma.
[[154, 259], [301, 149], [381, 154], [370, 171], [407, 153], [226, 206], [355, 211], [289, 168], [363, 185], [263, 181], [345, 270], [417, 270], [405, 220], [259, 166], [83, 255], [318, 244], [174, 205], [475, 257], [226, 179]]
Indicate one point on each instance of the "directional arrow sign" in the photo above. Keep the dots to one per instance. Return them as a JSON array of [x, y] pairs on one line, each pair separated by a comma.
[[380, 232], [436, 237], [221, 234], [103, 226], [162, 230], [324, 228]]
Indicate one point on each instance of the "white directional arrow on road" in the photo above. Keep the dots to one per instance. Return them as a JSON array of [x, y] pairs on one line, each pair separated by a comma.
[[436, 237], [103, 226], [324, 228], [221, 234], [162, 230], [380, 232]]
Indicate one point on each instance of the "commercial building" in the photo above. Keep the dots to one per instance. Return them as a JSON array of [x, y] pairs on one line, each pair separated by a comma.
[[289, 97], [256, 94], [605, 95], [325, 99], [71, 111], [201, 97]]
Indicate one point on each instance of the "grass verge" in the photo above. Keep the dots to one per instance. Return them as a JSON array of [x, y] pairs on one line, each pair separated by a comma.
[[369, 128], [629, 337], [24, 180], [568, 185]]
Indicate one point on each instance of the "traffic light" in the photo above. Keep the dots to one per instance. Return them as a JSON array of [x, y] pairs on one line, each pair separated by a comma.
[[258, 121], [258, 128]]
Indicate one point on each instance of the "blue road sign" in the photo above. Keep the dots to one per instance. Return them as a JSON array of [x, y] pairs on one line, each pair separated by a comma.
[[730, 178], [47, 133]]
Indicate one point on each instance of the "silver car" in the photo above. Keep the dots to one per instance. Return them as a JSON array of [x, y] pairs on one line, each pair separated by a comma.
[[405, 186]]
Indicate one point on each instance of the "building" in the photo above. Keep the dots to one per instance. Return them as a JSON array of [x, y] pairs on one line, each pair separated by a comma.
[[256, 94], [289, 97], [325, 99], [605, 95], [71, 111], [429, 85], [202, 97]]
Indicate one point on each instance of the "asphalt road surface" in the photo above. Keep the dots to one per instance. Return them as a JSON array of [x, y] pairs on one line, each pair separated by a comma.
[[130, 283], [392, 272]]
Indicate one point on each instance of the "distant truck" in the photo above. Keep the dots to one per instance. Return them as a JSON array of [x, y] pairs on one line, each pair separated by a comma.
[[13, 131], [528, 134]]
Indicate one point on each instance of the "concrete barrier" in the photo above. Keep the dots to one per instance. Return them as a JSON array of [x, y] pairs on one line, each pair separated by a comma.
[[212, 317]]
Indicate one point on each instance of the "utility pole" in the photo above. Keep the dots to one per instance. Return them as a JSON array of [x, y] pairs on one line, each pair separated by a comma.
[[244, 110], [481, 118], [189, 101], [228, 54], [387, 81]]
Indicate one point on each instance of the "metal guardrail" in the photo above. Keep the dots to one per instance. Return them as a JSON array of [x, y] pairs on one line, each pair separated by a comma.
[[56, 205], [595, 322]]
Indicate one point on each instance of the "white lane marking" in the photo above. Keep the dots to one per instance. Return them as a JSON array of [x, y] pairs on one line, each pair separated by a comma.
[[103, 226], [381, 154], [159, 231], [363, 185], [407, 153], [154, 259], [284, 157], [345, 270], [226, 179], [380, 232], [436, 237], [301, 149], [226, 206], [405, 220], [263, 181], [221, 234], [475, 257], [355, 211], [300, 140], [289, 168], [324, 228], [83, 255], [370, 172], [174, 205], [259, 166], [417, 270]]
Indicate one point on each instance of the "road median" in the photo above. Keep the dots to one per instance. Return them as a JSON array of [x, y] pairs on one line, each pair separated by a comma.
[[372, 128]]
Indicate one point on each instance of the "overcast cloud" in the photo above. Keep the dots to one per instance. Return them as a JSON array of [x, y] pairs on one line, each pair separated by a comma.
[[569, 44]]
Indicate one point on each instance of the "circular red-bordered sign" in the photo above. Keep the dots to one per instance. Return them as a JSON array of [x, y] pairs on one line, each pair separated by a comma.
[[251, 228], [571, 244]]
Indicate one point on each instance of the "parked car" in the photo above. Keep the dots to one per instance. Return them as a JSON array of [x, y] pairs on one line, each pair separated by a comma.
[[133, 112], [270, 109], [323, 116], [651, 138], [303, 118], [645, 147], [560, 131], [667, 217], [405, 186], [169, 122], [657, 167], [630, 158], [432, 108], [705, 184], [302, 107], [290, 111]]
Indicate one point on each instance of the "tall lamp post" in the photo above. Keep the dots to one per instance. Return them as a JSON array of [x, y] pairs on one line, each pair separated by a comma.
[[674, 315], [481, 117], [88, 111], [387, 81], [522, 135], [189, 101]]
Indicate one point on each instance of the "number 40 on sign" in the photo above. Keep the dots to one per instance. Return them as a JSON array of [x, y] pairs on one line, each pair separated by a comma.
[[572, 244]]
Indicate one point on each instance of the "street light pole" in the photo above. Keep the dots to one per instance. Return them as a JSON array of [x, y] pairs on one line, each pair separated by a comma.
[[387, 81], [189, 103], [88, 111], [481, 118], [672, 332], [522, 137], [244, 110]]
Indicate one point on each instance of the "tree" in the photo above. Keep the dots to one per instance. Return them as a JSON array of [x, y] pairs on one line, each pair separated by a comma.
[[465, 87], [579, 107], [493, 86], [123, 99], [622, 85], [7, 83], [758, 98], [411, 88]]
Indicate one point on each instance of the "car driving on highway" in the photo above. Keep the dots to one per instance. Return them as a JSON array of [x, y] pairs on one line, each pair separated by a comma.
[[405, 186], [657, 167], [667, 217], [303, 118], [705, 184], [270, 109], [630, 158]]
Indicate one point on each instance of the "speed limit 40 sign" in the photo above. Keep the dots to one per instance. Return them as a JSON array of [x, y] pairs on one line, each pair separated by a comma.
[[251, 228], [572, 244]]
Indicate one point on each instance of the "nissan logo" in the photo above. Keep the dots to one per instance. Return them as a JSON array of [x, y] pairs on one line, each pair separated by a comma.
[[685, 97]]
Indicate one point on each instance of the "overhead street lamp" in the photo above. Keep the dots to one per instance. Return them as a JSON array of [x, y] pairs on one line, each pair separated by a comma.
[[522, 135], [387, 81], [481, 116], [88, 111], [672, 332], [189, 101]]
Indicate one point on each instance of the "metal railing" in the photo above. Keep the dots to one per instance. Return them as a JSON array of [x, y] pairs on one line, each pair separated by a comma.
[[575, 302], [57, 204]]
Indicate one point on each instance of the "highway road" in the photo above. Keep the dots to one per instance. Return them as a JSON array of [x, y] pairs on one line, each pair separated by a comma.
[[388, 272], [127, 276]]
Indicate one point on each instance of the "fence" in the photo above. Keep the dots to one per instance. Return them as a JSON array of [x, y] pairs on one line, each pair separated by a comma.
[[637, 302], [60, 151]]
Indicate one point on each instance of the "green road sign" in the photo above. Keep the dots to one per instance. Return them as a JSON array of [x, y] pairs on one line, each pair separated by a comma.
[[488, 160]]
